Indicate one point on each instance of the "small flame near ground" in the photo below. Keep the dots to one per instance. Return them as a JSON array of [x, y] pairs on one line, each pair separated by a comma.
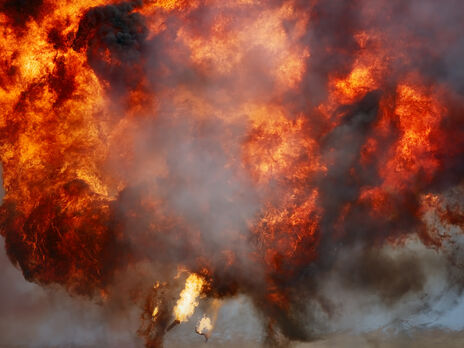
[[188, 301], [204, 327]]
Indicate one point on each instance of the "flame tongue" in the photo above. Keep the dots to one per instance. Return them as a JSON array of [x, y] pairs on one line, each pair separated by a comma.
[[188, 300]]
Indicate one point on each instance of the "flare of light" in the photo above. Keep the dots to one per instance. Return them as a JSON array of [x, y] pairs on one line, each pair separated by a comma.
[[188, 300]]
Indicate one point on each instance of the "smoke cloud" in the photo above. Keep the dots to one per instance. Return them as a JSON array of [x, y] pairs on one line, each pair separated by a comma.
[[304, 158]]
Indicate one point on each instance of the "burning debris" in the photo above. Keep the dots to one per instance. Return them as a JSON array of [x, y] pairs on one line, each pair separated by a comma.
[[270, 148]]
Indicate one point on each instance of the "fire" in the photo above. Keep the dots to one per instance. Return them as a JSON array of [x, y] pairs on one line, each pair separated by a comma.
[[419, 116], [155, 312], [359, 81], [188, 299], [259, 144], [204, 325]]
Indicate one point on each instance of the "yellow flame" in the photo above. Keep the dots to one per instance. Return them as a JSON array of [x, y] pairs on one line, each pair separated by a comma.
[[205, 325], [155, 313], [187, 302]]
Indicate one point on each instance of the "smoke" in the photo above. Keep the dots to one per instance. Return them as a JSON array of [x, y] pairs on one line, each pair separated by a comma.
[[303, 156], [19, 12], [114, 38]]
